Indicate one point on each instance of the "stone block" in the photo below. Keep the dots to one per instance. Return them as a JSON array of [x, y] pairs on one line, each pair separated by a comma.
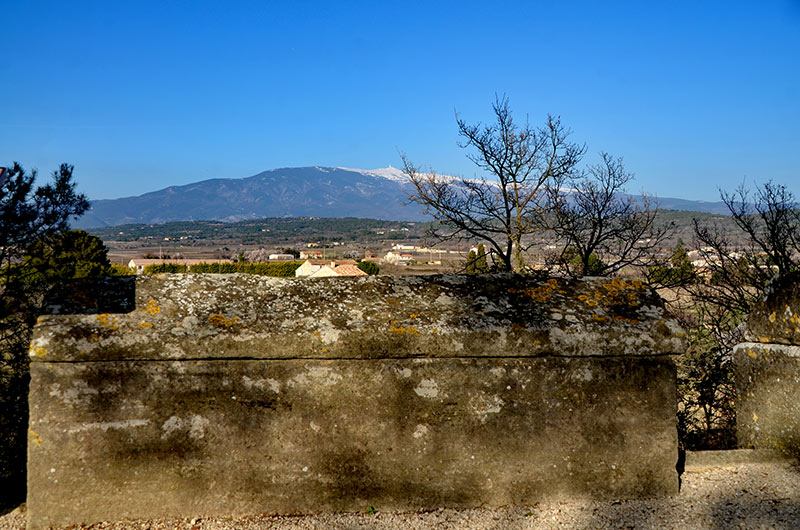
[[228, 394], [768, 396]]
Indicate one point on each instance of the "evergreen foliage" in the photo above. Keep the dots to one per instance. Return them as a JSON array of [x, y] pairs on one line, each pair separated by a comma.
[[29, 216], [72, 254], [680, 270], [281, 269], [476, 261], [369, 267]]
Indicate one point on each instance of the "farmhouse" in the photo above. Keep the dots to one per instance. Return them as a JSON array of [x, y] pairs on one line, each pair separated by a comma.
[[310, 266], [398, 258], [326, 271]]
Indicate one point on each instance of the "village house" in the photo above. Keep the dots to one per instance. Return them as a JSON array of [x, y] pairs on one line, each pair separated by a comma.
[[311, 254], [398, 258], [281, 257], [326, 271], [310, 266]]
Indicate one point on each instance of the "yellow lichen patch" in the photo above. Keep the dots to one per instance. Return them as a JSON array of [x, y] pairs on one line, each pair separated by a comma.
[[34, 436], [763, 339], [552, 282], [626, 320], [752, 354], [772, 317], [617, 292], [540, 293], [755, 417], [107, 321], [599, 318], [403, 329], [223, 322], [39, 352], [145, 325], [413, 315], [152, 307]]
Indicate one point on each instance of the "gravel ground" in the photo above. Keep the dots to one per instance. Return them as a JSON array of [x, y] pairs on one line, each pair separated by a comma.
[[765, 495]]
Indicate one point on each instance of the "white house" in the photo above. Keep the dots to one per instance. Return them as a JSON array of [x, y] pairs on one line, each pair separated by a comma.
[[310, 266], [398, 258], [310, 254], [326, 271]]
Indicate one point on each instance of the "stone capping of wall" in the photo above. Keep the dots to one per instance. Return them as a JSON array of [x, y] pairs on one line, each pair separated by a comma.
[[186, 316]]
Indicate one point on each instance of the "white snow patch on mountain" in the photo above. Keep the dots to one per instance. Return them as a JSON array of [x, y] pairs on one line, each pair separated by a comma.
[[395, 174]]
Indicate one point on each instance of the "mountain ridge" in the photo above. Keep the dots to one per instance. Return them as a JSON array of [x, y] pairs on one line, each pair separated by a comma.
[[315, 191]]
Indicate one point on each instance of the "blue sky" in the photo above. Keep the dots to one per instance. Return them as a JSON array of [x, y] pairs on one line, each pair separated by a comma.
[[695, 96]]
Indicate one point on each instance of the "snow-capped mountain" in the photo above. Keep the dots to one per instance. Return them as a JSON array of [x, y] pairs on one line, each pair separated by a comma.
[[285, 192], [288, 192]]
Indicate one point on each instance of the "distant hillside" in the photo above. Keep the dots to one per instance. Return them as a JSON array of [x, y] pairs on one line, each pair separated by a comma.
[[288, 192], [668, 203]]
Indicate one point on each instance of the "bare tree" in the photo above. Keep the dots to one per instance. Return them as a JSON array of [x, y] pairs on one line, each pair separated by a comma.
[[600, 230], [738, 266], [500, 206], [770, 224]]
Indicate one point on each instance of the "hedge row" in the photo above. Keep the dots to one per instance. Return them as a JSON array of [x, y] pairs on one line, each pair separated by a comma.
[[283, 269]]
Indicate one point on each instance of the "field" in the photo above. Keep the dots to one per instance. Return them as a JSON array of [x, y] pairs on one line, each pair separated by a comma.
[[336, 238]]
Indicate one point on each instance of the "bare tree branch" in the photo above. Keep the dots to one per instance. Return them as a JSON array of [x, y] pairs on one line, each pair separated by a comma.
[[500, 208], [601, 231]]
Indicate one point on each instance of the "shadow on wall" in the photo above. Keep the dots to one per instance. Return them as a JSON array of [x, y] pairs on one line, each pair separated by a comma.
[[91, 296], [80, 296]]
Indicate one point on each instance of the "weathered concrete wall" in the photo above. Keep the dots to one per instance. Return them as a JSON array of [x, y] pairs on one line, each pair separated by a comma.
[[768, 372], [238, 394]]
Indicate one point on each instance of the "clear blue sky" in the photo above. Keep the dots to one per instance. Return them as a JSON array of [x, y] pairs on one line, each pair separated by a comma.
[[142, 95]]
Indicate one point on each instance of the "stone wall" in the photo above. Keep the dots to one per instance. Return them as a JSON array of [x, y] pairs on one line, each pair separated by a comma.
[[228, 394], [768, 372]]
